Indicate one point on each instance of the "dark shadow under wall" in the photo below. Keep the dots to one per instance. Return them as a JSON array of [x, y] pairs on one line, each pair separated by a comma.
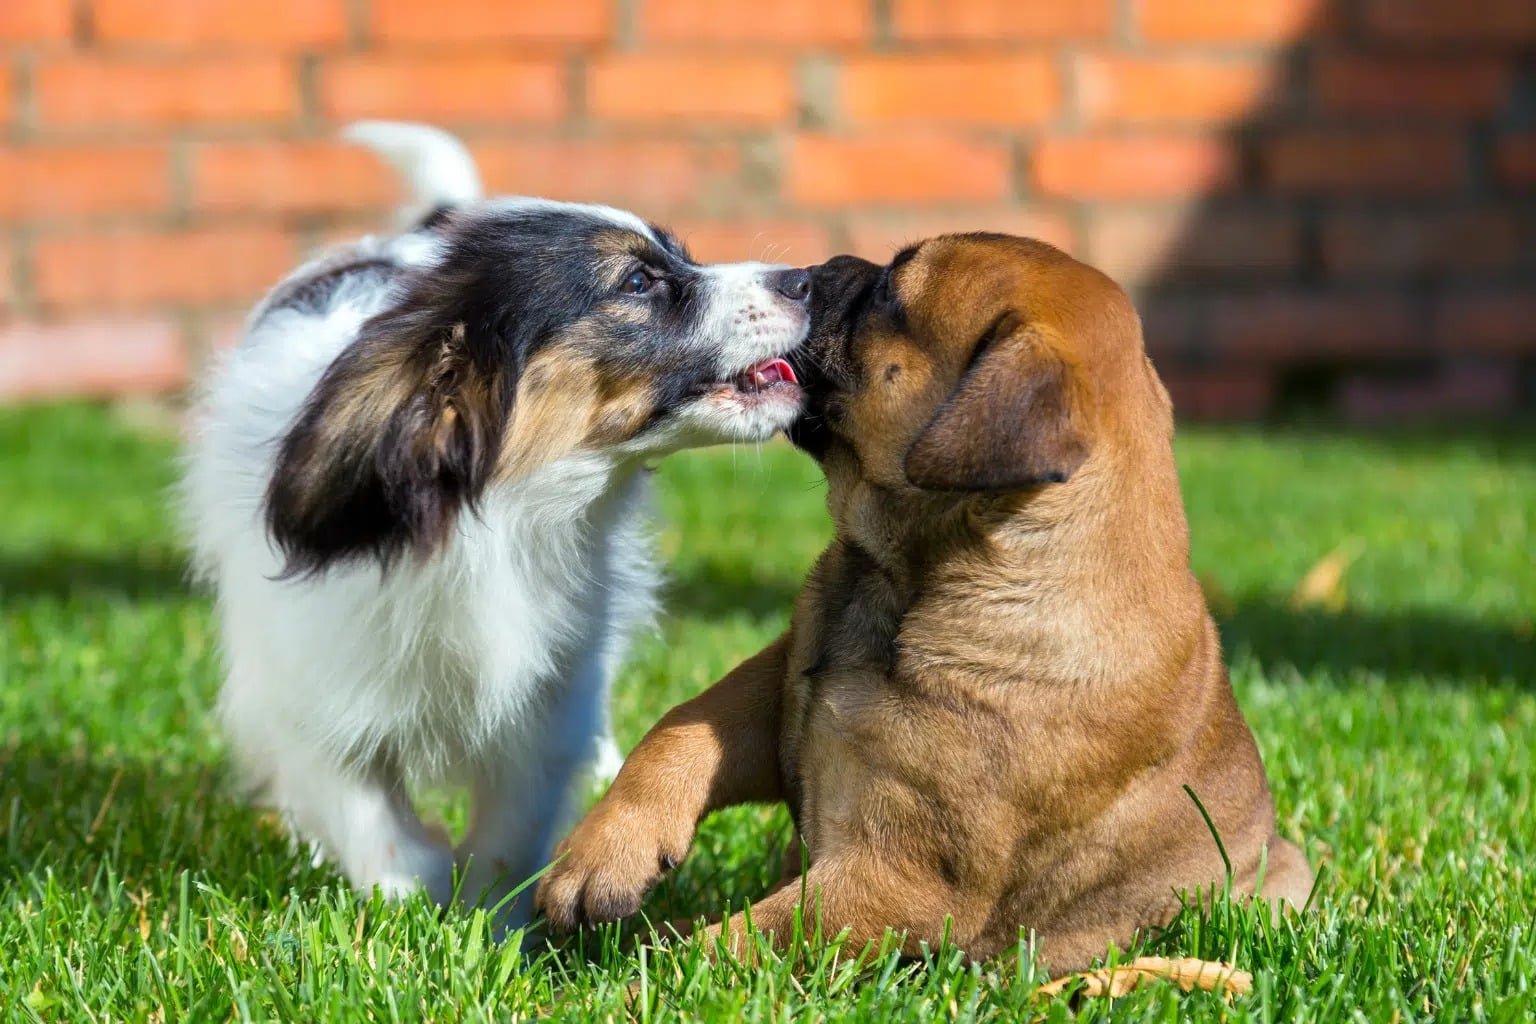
[[1373, 256]]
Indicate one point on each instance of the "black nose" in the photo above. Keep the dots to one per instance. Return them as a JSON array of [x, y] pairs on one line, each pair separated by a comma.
[[794, 285]]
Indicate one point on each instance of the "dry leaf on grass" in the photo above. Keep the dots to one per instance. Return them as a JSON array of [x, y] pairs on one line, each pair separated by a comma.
[[1189, 974], [1323, 585]]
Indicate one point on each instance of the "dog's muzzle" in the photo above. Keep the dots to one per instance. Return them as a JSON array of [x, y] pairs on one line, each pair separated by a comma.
[[840, 289]]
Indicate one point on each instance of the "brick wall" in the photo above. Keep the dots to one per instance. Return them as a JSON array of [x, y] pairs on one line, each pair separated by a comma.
[[1315, 201]]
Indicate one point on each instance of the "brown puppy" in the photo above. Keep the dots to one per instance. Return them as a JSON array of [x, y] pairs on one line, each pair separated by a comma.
[[1002, 673]]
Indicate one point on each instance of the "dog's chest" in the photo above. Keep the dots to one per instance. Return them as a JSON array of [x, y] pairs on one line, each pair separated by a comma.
[[861, 612], [518, 609], [846, 648]]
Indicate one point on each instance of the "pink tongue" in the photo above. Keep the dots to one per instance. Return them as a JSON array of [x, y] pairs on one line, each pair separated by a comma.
[[771, 371]]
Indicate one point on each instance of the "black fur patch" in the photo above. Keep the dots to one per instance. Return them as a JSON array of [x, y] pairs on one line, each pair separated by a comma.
[[436, 217], [403, 431], [317, 292], [842, 290]]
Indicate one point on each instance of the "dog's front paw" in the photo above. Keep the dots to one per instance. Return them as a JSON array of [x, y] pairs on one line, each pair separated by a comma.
[[607, 865]]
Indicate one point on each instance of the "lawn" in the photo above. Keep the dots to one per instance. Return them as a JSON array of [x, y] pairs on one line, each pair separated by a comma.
[[1395, 705]]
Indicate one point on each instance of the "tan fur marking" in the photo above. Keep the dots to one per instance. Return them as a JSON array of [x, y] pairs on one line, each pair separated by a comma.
[[552, 414], [566, 403]]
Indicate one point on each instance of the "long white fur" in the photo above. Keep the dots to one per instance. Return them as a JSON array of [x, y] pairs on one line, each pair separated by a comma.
[[488, 664], [435, 164]]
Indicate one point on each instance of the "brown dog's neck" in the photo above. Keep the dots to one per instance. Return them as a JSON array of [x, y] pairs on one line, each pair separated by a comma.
[[903, 532], [1098, 566], [909, 532]]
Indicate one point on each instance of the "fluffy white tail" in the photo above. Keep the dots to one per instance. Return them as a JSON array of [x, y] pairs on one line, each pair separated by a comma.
[[437, 169]]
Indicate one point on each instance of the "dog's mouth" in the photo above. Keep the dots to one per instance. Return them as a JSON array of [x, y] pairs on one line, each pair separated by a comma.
[[769, 373], [768, 380]]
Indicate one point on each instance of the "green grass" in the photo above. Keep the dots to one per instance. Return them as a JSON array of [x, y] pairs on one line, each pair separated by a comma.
[[1397, 723]]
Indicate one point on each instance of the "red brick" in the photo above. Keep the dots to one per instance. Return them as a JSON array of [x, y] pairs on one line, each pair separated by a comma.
[[1437, 23], [1171, 324], [1120, 90], [90, 357], [1516, 160], [1502, 322], [1220, 394], [648, 174], [989, 21], [1137, 246], [1460, 87], [1132, 167], [64, 181], [121, 269], [410, 22], [220, 333], [1367, 161], [827, 171], [1250, 21], [81, 90], [654, 88], [1298, 325], [879, 236], [437, 87], [785, 22], [188, 24], [7, 275], [1457, 390], [796, 242], [288, 177], [1417, 242], [346, 229], [979, 89], [36, 21]]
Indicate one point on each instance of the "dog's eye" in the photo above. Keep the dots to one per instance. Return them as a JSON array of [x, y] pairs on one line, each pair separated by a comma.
[[637, 283]]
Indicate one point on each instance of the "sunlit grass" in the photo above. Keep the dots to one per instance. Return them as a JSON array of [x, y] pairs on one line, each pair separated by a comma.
[[1397, 720]]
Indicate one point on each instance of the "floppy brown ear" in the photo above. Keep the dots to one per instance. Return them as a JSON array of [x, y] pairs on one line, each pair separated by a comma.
[[396, 438], [1009, 424]]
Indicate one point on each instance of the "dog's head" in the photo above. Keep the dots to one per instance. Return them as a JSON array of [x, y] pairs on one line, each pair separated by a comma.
[[539, 332], [974, 363]]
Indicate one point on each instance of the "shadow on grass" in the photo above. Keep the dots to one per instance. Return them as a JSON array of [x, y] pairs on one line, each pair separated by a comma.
[[82, 821], [712, 590], [65, 574], [1506, 440], [1407, 643], [1410, 642]]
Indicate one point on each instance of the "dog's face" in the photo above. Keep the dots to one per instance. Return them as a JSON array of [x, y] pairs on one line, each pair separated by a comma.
[[540, 331], [969, 363]]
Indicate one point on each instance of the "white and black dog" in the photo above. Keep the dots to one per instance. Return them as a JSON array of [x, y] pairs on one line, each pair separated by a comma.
[[418, 484]]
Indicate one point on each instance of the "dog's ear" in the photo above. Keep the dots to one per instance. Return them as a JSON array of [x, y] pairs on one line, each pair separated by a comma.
[[1011, 422], [397, 438]]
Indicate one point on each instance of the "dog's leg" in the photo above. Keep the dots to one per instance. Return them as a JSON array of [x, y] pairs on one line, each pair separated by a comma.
[[524, 795], [720, 748], [365, 822], [496, 855]]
